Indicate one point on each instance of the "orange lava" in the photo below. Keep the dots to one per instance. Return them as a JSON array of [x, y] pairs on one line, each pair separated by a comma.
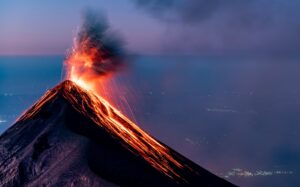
[[114, 122], [80, 90], [80, 70], [133, 137]]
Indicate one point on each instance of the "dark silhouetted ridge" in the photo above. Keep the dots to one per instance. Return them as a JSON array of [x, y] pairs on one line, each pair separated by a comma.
[[71, 137]]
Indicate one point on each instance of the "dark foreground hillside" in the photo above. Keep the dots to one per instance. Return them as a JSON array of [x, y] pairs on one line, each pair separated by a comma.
[[55, 144]]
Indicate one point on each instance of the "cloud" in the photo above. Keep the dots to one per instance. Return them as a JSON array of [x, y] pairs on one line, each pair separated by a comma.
[[218, 26]]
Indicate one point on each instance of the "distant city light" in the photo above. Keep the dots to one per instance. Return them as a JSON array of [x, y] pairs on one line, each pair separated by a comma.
[[237, 172]]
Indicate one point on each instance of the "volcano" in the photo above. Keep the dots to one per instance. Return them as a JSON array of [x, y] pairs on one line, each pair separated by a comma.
[[70, 137]]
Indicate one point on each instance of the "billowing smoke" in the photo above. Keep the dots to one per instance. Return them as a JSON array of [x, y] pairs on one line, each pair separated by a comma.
[[96, 51], [228, 25]]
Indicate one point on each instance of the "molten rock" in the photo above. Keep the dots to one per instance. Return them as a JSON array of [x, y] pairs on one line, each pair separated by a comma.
[[73, 138]]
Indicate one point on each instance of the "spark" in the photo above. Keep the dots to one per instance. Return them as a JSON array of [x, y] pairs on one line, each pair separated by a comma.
[[114, 122], [89, 66]]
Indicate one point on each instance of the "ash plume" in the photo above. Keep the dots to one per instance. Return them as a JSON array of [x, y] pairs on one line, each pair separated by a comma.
[[97, 50]]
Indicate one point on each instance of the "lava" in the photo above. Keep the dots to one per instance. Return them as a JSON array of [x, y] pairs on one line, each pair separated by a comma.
[[102, 113], [91, 61], [112, 120], [95, 55], [120, 127], [96, 112], [88, 67]]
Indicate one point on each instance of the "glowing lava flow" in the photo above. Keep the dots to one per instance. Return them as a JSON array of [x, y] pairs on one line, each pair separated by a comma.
[[80, 66], [138, 141], [92, 59]]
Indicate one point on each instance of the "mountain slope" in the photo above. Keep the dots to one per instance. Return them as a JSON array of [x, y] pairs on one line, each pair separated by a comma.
[[71, 137]]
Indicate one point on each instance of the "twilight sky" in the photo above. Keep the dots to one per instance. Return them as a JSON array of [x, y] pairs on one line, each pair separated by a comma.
[[156, 26]]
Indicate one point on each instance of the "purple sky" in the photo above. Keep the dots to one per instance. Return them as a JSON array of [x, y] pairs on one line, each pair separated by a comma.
[[156, 27], [48, 27]]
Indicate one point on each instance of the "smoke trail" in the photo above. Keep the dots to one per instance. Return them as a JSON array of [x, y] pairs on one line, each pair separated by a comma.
[[97, 51]]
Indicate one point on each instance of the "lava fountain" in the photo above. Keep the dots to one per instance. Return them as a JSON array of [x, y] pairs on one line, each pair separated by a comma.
[[95, 55], [93, 59]]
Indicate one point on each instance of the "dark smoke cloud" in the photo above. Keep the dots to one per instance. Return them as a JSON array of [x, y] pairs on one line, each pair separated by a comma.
[[228, 25], [96, 40]]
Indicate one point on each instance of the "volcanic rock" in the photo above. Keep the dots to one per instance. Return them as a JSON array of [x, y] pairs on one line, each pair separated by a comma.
[[54, 143]]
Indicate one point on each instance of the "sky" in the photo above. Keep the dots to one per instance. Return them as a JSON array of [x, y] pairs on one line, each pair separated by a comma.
[[156, 27], [48, 27]]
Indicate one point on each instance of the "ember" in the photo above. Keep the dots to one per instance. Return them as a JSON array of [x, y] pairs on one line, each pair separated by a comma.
[[90, 62]]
